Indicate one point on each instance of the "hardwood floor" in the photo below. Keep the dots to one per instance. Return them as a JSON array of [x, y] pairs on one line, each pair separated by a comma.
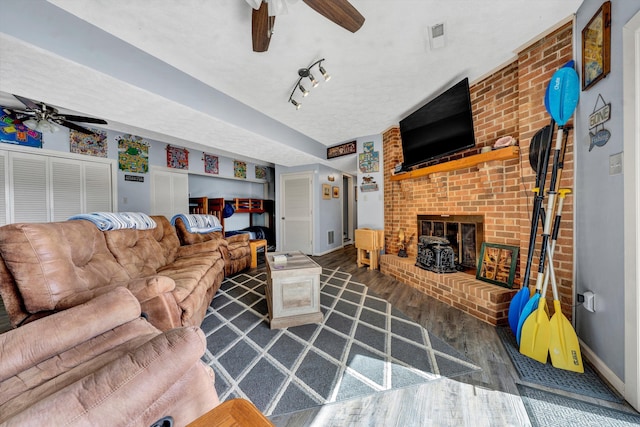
[[484, 398]]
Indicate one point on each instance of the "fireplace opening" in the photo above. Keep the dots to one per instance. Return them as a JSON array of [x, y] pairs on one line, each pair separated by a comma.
[[465, 233]]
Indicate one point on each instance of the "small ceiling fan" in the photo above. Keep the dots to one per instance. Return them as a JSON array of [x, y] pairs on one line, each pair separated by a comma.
[[264, 16], [41, 117]]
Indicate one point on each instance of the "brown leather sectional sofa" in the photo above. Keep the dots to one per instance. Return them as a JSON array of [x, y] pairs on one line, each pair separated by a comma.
[[81, 353], [48, 267]]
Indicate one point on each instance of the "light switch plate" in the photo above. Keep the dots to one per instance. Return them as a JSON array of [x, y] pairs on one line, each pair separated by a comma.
[[615, 164]]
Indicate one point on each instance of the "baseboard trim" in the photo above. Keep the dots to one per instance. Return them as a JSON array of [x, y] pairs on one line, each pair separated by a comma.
[[602, 368]]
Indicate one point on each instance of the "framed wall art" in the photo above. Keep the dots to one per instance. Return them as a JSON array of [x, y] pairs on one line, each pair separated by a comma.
[[336, 192], [326, 191], [497, 264], [596, 47]]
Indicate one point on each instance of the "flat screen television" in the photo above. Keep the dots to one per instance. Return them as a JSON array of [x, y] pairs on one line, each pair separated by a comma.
[[441, 127]]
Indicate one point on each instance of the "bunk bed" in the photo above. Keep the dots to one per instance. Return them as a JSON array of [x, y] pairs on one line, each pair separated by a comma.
[[215, 206]]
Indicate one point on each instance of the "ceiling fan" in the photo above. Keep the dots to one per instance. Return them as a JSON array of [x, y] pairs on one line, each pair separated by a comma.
[[41, 117], [264, 16]]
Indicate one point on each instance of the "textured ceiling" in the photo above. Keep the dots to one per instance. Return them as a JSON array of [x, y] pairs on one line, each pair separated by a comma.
[[183, 71]]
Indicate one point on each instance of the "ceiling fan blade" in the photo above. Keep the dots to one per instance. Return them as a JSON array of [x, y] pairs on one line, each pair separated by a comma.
[[339, 11], [261, 28], [74, 126], [82, 119], [28, 103]]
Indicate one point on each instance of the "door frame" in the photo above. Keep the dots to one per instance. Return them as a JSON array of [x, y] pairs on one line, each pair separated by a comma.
[[348, 193], [631, 162]]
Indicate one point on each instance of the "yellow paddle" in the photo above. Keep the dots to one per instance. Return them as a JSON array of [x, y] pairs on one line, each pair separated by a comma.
[[536, 330]]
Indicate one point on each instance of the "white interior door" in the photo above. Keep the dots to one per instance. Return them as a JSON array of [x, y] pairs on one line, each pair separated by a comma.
[[296, 212], [631, 106], [169, 193]]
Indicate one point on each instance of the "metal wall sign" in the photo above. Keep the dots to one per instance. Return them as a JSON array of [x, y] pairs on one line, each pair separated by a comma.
[[598, 135], [341, 150], [134, 178]]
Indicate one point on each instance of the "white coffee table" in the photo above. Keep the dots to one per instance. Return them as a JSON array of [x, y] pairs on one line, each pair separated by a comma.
[[293, 290]]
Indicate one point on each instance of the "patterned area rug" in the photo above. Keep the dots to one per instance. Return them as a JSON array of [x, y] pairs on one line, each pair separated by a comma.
[[550, 409], [363, 346], [530, 370]]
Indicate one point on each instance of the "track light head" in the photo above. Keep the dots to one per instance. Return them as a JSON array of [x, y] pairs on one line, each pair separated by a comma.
[[313, 80], [303, 90], [324, 73], [296, 103]]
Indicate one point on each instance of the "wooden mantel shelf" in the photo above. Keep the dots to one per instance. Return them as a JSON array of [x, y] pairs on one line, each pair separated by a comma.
[[506, 153]]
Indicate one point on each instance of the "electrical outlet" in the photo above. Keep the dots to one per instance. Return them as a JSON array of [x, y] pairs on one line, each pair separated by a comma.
[[589, 301]]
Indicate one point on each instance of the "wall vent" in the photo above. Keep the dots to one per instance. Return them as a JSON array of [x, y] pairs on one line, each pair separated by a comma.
[[330, 237], [437, 37]]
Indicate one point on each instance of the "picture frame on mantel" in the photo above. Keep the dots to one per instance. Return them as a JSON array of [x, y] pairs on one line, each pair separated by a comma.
[[596, 47], [497, 264]]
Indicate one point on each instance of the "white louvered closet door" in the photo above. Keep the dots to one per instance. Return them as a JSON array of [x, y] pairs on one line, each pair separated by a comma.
[[4, 188], [43, 188], [66, 188], [169, 193], [98, 187], [28, 181]]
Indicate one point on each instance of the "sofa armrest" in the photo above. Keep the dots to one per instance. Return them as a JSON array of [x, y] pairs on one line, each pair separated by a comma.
[[239, 238], [208, 246], [60, 332], [146, 288]]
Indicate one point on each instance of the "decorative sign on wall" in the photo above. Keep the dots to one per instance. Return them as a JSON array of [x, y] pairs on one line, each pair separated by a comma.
[[177, 157], [134, 178], [341, 150], [261, 172], [598, 135], [211, 164], [239, 169], [369, 160], [368, 184], [88, 144], [133, 154], [17, 133]]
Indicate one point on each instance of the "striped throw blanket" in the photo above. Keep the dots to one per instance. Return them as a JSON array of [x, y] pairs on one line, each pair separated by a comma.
[[198, 223], [106, 221]]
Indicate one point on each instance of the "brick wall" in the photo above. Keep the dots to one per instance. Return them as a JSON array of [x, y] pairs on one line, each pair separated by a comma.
[[508, 102]]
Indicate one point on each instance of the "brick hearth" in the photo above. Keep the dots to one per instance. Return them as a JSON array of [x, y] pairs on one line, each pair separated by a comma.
[[487, 302]]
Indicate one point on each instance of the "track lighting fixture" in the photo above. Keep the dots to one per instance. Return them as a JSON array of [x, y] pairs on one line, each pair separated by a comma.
[[305, 73]]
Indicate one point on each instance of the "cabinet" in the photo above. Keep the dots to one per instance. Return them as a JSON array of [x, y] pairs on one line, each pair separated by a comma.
[[51, 186]]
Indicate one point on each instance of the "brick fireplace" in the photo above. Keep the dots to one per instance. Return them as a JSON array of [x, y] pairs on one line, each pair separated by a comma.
[[508, 102]]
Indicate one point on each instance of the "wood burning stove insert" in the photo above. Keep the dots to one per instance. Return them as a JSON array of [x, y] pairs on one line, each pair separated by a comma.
[[465, 233]]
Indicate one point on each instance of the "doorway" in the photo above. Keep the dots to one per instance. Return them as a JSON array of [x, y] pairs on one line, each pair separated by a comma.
[[348, 210]]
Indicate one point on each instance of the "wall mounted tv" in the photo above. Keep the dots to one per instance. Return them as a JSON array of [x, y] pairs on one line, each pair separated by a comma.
[[441, 127]]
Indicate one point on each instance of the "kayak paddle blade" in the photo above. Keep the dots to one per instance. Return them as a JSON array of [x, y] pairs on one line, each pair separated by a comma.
[[536, 333], [529, 308], [518, 302], [563, 93], [564, 347]]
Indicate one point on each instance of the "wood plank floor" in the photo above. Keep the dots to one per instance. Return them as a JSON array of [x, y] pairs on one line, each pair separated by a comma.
[[485, 398]]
